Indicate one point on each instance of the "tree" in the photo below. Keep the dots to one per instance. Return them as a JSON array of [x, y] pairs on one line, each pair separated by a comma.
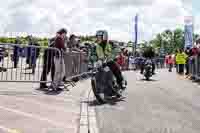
[[169, 40], [3, 40], [178, 39]]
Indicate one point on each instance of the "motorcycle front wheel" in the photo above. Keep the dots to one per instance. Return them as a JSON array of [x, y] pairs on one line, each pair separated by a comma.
[[98, 96], [147, 75]]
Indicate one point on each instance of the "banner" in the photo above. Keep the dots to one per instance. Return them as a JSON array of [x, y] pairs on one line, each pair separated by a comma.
[[188, 36]]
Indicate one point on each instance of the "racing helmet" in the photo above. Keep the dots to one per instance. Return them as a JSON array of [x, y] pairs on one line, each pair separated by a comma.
[[102, 33]]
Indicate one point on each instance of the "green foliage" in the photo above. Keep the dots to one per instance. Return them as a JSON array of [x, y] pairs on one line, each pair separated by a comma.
[[170, 40], [24, 40]]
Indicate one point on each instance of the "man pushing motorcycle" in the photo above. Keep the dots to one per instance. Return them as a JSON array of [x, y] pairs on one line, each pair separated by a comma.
[[104, 51]]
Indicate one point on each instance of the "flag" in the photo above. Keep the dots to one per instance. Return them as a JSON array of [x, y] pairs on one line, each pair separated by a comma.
[[188, 36], [136, 29]]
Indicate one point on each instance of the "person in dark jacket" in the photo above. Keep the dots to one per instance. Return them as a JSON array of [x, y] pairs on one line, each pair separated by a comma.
[[188, 52], [32, 54], [35, 55], [28, 56], [48, 63], [59, 60], [16, 52], [2, 55]]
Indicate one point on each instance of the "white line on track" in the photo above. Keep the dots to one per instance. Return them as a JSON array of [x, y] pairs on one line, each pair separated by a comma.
[[48, 106], [36, 117]]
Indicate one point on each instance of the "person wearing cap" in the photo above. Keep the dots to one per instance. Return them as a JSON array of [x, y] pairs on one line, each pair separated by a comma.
[[59, 60]]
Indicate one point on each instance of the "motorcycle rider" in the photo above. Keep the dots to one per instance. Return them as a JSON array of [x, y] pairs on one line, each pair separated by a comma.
[[150, 54], [104, 50]]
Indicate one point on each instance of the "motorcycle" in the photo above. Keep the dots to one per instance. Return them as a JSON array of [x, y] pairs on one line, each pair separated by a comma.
[[148, 69], [104, 84]]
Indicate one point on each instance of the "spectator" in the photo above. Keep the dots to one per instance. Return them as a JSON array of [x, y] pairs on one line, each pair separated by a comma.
[[191, 60], [73, 45], [176, 52], [28, 55], [126, 60], [181, 61], [166, 59], [32, 54], [125, 52], [16, 52], [2, 55], [48, 63], [194, 51], [162, 61], [121, 59], [170, 62], [59, 60], [132, 63], [157, 61], [189, 53]]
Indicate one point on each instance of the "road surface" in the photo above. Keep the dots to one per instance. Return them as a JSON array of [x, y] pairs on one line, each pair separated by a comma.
[[168, 104]]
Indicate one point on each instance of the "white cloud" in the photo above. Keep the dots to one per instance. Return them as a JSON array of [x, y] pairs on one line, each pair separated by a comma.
[[197, 24], [87, 16]]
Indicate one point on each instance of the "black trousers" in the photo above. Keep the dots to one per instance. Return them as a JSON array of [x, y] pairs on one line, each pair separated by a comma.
[[170, 67], [15, 60], [181, 68], [47, 67], [187, 67], [116, 71]]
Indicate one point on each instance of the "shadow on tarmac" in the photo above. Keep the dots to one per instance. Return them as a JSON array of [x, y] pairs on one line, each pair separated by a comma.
[[48, 92], [110, 102], [153, 80]]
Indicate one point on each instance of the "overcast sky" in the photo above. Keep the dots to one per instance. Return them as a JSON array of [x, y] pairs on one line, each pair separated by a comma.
[[196, 13], [87, 16]]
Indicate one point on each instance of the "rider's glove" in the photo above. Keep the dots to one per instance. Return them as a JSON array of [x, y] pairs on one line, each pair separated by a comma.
[[99, 63]]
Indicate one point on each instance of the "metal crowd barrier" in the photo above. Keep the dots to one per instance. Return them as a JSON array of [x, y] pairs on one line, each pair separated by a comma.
[[194, 67], [27, 63], [75, 63]]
